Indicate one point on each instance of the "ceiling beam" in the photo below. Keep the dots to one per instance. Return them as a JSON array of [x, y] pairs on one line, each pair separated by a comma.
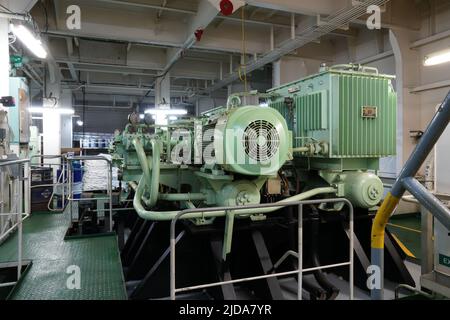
[[21, 6], [72, 71], [308, 34], [147, 6], [206, 13], [306, 7]]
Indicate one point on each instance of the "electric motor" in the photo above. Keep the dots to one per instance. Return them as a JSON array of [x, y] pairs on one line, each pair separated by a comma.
[[251, 140]]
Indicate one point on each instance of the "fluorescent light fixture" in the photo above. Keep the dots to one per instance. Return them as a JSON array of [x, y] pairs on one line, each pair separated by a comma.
[[62, 111], [166, 112], [29, 40], [80, 123], [436, 58]]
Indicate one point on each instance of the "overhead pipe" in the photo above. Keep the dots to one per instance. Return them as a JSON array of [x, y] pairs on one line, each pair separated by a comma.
[[405, 181]]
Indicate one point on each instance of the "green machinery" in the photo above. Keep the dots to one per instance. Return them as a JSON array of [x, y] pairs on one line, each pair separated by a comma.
[[319, 137], [333, 127], [222, 159], [344, 121]]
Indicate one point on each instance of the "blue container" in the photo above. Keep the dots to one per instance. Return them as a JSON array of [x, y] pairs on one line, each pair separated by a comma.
[[77, 179]]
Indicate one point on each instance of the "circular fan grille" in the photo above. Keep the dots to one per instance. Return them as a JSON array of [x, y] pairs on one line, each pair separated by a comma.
[[261, 140]]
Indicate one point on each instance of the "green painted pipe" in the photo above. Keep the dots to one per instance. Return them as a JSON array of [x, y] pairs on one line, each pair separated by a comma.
[[175, 196], [151, 178], [169, 215], [181, 196]]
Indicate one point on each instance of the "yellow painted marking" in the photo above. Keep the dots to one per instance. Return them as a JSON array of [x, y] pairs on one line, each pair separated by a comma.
[[403, 247], [404, 228]]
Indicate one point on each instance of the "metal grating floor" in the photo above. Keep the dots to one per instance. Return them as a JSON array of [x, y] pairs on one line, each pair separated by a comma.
[[43, 243]]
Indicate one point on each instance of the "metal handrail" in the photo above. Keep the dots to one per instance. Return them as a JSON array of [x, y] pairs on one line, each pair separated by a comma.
[[20, 184], [61, 157], [299, 271], [406, 181], [70, 197]]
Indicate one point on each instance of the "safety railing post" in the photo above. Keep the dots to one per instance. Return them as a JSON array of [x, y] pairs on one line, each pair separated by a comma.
[[19, 208], [300, 253], [299, 272], [19, 186]]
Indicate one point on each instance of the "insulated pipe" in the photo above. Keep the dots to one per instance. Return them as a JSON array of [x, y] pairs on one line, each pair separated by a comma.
[[151, 179], [169, 215], [417, 158]]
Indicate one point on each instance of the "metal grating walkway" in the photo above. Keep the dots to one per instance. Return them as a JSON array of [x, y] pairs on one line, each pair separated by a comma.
[[43, 243]]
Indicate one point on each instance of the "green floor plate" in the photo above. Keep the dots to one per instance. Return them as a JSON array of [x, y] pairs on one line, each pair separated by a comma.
[[43, 243]]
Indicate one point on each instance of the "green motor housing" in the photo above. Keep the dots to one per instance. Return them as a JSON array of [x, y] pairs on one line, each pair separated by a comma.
[[252, 140]]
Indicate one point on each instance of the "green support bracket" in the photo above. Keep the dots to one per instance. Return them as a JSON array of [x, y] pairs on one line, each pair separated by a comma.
[[228, 236]]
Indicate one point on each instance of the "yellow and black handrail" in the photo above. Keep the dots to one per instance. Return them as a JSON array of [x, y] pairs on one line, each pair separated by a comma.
[[406, 181]]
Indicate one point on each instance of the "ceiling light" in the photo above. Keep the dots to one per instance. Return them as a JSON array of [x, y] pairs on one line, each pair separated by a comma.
[[62, 111], [437, 58], [29, 40]]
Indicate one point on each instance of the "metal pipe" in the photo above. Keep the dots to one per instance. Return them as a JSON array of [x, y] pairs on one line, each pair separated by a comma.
[[110, 200], [428, 200], [15, 16], [266, 276], [435, 129], [11, 229], [13, 162], [182, 196], [19, 185], [151, 176], [415, 290], [300, 149], [300, 253], [169, 215]]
